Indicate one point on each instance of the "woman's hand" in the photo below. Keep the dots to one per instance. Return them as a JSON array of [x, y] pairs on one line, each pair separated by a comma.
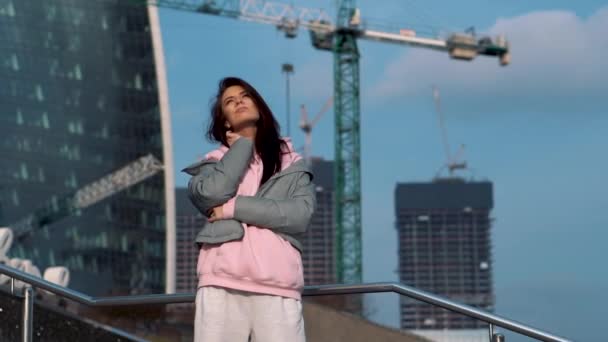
[[231, 137], [216, 214]]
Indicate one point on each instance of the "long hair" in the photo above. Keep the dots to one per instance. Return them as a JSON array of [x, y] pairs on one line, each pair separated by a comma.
[[268, 143]]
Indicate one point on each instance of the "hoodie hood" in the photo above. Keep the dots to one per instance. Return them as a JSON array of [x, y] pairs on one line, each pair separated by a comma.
[[289, 156]]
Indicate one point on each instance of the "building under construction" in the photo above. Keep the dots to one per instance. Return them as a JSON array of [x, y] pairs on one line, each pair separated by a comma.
[[318, 257], [444, 248]]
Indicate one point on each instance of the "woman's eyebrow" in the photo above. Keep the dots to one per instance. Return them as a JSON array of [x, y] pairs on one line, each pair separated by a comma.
[[232, 96]]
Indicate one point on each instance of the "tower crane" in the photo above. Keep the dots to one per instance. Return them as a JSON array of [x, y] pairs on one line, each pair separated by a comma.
[[307, 127], [453, 162], [340, 37], [57, 208]]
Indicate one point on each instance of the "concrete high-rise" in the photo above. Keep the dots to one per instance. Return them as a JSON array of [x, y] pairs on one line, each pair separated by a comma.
[[83, 93], [444, 248], [319, 256], [189, 222]]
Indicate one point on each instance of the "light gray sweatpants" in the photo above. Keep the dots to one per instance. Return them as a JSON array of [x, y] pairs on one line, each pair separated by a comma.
[[235, 316]]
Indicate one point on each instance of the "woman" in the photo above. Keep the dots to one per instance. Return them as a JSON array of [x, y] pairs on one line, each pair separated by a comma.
[[259, 196]]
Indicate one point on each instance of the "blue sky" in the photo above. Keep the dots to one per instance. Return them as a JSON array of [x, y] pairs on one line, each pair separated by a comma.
[[537, 129]]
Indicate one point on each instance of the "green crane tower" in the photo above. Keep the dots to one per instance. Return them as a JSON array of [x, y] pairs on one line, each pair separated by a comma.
[[347, 163]]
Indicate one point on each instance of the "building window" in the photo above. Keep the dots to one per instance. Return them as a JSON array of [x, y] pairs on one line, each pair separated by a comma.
[[15, 198], [53, 67], [52, 258], [104, 131], [15, 62], [71, 182], [103, 238], [8, 9], [19, 117], [74, 98], [101, 103], [137, 81], [77, 72], [41, 176], [51, 12], [124, 243], [23, 171], [74, 43], [104, 23], [45, 120], [13, 86], [115, 78], [39, 94], [23, 145], [77, 16], [75, 127], [48, 40], [144, 218]]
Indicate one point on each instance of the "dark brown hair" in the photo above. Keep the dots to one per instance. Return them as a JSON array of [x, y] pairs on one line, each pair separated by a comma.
[[268, 143]]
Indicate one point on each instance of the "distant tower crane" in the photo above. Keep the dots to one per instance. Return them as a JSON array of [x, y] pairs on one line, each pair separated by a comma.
[[58, 208], [341, 38], [453, 162], [307, 127]]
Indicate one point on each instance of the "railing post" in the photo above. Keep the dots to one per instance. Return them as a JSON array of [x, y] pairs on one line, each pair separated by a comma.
[[498, 338], [13, 286], [28, 314], [495, 337]]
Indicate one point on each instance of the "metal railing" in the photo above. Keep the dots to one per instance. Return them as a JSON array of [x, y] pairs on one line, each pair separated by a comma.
[[320, 290]]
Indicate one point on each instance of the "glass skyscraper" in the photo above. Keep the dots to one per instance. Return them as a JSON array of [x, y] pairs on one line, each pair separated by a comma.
[[83, 93]]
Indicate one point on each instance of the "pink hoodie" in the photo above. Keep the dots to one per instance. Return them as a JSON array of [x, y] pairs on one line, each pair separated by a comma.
[[262, 262]]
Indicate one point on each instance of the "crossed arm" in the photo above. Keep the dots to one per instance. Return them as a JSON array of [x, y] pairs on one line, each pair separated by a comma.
[[215, 184]]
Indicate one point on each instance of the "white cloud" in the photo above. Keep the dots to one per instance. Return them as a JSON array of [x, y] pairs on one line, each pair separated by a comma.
[[559, 64]]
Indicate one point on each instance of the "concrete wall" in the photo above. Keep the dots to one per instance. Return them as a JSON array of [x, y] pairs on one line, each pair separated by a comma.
[[324, 324]]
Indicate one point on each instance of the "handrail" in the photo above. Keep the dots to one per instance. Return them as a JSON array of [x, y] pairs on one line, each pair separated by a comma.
[[317, 290]]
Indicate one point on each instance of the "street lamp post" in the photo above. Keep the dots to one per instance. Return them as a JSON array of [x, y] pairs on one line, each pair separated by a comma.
[[287, 69]]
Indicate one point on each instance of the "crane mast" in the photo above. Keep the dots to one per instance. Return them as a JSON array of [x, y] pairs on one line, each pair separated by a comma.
[[347, 158]]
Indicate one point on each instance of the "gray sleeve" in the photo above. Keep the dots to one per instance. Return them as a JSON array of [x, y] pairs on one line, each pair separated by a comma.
[[214, 183], [291, 215]]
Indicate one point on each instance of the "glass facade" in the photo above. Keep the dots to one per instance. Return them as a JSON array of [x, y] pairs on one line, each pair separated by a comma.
[[78, 100]]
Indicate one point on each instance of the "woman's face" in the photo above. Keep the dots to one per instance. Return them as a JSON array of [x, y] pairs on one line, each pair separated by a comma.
[[238, 108]]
